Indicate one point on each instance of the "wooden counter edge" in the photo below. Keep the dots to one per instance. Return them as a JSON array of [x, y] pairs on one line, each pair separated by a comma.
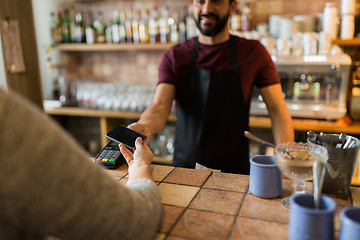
[[338, 126]]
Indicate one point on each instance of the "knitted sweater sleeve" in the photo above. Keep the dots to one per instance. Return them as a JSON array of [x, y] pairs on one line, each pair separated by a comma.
[[49, 185]]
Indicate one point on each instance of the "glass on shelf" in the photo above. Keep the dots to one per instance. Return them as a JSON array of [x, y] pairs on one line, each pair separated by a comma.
[[116, 96]]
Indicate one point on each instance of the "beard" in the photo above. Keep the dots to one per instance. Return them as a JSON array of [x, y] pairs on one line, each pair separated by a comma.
[[212, 31]]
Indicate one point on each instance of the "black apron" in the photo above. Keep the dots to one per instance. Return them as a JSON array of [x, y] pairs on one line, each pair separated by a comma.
[[211, 119]]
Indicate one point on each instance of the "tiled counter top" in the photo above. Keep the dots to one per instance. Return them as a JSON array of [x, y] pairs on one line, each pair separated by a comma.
[[200, 204]]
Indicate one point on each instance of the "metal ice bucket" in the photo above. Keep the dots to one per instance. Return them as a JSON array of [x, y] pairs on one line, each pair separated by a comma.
[[343, 151]]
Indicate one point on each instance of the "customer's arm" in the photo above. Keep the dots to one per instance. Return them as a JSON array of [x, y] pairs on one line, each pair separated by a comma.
[[49, 186], [281, 121], [155, 116]]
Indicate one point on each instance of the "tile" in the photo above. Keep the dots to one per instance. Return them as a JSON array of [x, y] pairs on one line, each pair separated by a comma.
[[177, 195], [265, 209], [254, 229], [228, 181], [195, 224], [159, 172], [188, 176], [218, 201], [355, 193], [119, 172], [169, 216], [337, 219]]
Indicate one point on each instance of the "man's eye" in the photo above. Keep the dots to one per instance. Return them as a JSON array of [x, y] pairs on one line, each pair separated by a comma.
[[200, 2]]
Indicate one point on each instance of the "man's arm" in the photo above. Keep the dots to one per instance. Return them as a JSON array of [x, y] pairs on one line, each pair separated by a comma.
[[154, 118], [281, 121]]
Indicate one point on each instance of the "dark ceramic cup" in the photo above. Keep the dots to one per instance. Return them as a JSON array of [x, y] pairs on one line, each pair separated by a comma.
[[308, 222], [350, 223]]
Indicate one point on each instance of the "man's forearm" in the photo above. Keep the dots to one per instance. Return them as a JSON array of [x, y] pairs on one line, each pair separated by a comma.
[[282, 128], [154, 118]]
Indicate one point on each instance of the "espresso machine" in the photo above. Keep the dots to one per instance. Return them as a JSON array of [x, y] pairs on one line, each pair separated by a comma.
[[314, 86]]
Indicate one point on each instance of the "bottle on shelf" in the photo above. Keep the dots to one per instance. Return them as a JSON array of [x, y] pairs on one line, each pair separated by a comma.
[[164, 26], [174, 29], [66, 27], [90, 30], [144, 27], [55, 28], [355, 94], [99, 28], [191, 28], [246, 18], [79, 28], [235, 21], [122, 27], [128, 25], [154, 26], [115, 30], [182, 24], [55, 89], [135, 26], [108, 32], [72, 25]]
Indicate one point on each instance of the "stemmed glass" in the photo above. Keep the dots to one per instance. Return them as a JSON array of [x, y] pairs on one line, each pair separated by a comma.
[[295, 160]]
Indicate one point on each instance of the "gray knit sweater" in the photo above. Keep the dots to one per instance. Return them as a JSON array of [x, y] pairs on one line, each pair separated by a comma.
[[50, 187]]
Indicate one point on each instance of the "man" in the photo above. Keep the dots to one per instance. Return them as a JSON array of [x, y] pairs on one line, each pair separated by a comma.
[[211, 79]]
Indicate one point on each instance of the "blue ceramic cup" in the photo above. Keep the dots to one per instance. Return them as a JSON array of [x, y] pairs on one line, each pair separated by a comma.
[[350, 223], [265, 177], [308, 222]]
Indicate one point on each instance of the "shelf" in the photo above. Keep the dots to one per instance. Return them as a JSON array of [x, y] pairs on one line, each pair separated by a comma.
[[83, 112], [83, 47], [351, 42], [339, 126]]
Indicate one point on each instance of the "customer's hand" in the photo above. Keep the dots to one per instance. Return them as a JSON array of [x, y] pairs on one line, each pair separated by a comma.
[[141, 129], [139, 161]]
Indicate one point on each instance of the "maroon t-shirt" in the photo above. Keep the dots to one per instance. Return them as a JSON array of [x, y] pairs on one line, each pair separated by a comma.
[[255, 64]]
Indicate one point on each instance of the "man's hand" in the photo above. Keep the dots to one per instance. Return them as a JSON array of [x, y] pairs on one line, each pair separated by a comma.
[[141, 129]]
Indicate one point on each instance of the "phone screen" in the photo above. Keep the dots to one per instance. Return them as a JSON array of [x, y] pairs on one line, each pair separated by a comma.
[[124, 135]]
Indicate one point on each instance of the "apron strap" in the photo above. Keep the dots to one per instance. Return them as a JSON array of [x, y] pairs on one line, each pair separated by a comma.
[[234, 63], [194, 53]]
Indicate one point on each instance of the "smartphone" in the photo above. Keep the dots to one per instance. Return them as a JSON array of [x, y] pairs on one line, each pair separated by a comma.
[[124, 135]]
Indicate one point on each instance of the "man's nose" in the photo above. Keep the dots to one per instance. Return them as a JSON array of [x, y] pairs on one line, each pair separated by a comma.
[[207, 7]]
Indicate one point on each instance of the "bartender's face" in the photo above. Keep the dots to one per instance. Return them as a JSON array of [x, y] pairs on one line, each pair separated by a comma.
[[211, 16]]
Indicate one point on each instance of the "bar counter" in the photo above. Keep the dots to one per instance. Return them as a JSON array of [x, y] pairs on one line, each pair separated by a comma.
[[201, 204]]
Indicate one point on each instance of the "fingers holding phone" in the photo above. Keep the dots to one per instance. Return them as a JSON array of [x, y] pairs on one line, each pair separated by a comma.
[[139, 161], [142, 152]]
